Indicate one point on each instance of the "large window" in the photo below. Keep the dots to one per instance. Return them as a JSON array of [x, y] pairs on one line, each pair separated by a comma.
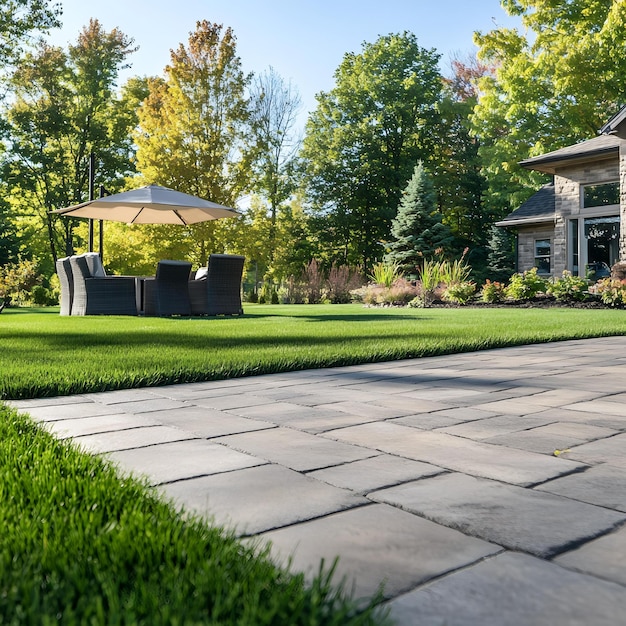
[[606, 194], [542, 256]]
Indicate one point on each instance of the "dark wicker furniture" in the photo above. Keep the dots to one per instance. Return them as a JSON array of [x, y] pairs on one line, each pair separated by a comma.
[[100, 295], [220, 292], [168, 292], [66, 281]]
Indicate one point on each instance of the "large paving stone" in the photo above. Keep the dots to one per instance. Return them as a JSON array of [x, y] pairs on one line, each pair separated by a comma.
[[258, 499], [600, 420], [370, 411], [375, 473], [611, 450], [513, 517], [131, 438], [493, 426], [376, 544], [121, 395], [233, 401], [599, 406], [79, 426], [181, 460], [149, 405], [299, 451], [603, 557], [602, 485], [49, 413], [512, 590], [455, 453], [208, 422]]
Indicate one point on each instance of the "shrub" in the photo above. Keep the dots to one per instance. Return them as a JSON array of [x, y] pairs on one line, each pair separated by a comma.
[[461, 292], [430, 278], [525, 285], [292, 292], [611, 291], [385, 274], [313, 280], [341, 281], [568, 287], [492, 292], [17, 281]]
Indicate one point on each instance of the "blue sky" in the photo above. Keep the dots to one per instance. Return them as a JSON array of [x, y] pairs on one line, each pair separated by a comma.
[[303, 40]]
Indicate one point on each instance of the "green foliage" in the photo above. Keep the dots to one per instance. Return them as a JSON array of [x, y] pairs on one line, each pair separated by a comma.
[[568, 287], [611, 291], [81, 545], [18, 20], [553, 84], [417, 230], [461, 292], [525, 285], [385, 273], [363, 140], [17, 281], [492, 292], [455, 272], [501, 255], [63, 107], [45, 354]]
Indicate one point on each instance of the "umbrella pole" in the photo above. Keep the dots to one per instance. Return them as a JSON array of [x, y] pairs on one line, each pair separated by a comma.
[[101, 231], [92, 174]]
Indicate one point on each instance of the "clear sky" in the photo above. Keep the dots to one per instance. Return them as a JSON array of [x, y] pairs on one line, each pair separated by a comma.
[[303, 40]]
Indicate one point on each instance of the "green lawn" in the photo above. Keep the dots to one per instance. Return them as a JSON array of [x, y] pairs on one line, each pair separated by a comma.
[[80, 545], [45, 354]]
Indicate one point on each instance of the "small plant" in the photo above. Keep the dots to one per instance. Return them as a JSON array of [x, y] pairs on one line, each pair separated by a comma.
[[430, 277], [386, 274], [461, 292], [492, 292], [454, 272], [525, 286], [568, 288]]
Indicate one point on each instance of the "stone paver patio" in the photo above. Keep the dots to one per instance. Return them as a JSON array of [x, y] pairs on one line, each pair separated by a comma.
[[485, 488]]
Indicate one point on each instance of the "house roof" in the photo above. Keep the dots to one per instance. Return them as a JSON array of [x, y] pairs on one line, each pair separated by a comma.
[[603, 146], [538, 208]]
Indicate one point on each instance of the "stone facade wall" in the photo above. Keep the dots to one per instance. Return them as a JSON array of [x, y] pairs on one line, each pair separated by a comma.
[[526, 247]]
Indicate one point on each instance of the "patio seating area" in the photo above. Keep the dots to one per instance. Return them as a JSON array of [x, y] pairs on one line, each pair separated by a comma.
[[87, 290]]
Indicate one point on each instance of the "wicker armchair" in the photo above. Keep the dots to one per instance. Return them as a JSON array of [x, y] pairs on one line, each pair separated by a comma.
[[66, 281], [220, 292], [168, 293], [100, 295]]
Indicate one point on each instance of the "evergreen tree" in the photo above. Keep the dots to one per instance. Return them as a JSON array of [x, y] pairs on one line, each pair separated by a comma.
[[417, 229], [501, 255]]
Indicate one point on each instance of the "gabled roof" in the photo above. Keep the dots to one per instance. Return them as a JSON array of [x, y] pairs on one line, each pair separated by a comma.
[[538, 208], [603, 146], [614, 122]]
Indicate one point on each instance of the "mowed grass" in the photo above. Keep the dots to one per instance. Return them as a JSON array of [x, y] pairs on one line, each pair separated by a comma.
[[44, 354], [80, 545]]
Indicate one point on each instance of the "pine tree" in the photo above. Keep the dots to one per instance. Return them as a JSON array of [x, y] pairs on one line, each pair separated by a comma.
[[501, 256], [417, 229]]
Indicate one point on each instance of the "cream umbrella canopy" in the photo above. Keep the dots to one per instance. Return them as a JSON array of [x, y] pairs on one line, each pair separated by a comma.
[[151, 204]]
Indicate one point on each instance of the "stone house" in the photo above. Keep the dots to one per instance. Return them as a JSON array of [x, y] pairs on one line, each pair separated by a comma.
[[578, 221]]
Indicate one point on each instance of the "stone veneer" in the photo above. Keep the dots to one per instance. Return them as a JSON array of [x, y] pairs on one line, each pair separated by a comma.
[[567, 189]]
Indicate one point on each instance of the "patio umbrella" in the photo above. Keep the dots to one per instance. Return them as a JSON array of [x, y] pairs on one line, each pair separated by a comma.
[[150, 205]]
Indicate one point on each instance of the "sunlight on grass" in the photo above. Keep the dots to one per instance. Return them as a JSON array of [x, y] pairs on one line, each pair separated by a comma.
[[45, 354]]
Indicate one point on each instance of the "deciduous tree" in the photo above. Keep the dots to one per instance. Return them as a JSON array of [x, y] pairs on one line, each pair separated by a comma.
[[63, 108], [191, 128], [364, 139]]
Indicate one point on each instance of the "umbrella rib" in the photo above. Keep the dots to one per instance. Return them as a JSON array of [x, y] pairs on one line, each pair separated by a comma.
[[180, 217]]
